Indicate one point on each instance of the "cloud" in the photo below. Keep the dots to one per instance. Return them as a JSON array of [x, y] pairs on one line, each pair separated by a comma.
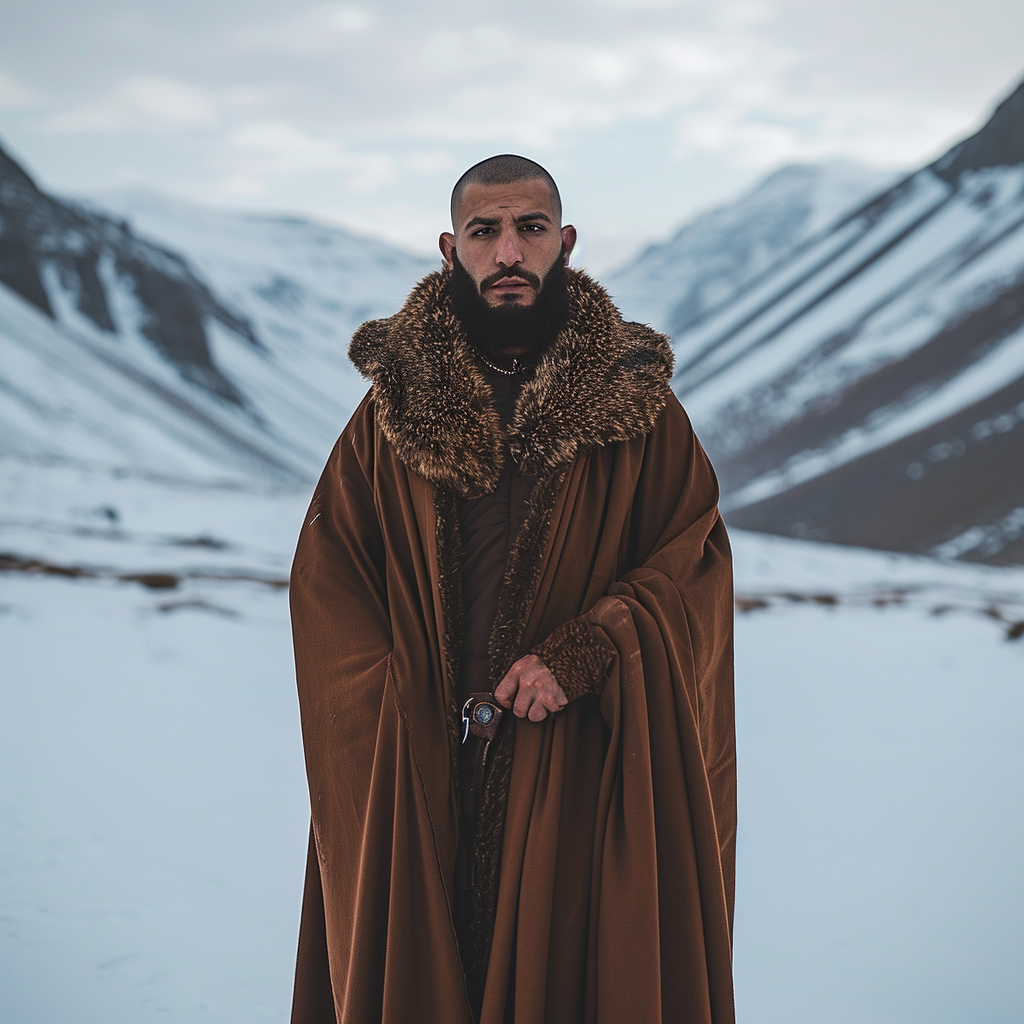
[[360, 107], [727, 85], [145, 102], [338, 76], [502, 85], [316, 30], [794, 128], [271, 149], [13, 95], [281, 148]]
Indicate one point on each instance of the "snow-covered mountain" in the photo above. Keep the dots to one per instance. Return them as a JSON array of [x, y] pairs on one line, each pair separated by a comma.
[[869, 388], [710, 259], [217, 351], [304, 286], [857, 377]]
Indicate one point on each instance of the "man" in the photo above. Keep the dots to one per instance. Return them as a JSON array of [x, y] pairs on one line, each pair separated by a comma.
[[512, 611]]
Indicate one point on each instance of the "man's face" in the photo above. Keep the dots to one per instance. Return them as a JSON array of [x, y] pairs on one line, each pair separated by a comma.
[[507, 238]]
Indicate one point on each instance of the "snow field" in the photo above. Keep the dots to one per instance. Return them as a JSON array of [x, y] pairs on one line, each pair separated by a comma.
[[109, 521], [724, 249], [725, 373], [952, 263], [881, 754], [154, 821], [154, 818]]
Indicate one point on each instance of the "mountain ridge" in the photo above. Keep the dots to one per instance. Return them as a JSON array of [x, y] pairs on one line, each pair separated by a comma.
[[844, 395], [715, 254]]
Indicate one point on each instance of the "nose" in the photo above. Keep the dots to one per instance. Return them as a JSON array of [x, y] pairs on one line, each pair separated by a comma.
[[509, 251]]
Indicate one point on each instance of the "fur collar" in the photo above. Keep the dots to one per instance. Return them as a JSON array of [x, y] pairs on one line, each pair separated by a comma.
[[602, 380]]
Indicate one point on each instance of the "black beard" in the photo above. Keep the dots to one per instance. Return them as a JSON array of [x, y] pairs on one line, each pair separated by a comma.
[[511, 329]]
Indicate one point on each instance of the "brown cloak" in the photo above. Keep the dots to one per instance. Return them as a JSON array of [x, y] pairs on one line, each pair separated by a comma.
[[608, 830]]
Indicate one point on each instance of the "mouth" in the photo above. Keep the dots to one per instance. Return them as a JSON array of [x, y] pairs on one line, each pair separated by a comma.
[[510, 289], [507, 283]]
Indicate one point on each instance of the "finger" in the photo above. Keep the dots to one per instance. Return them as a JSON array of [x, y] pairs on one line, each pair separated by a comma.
[[506, 689], [537, 712], [524, 701], [554, 700]]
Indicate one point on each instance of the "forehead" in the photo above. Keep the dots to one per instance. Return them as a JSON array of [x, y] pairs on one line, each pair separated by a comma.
[[512, 200]]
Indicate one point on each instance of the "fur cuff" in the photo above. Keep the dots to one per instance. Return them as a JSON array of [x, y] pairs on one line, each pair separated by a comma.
[[576, 658]]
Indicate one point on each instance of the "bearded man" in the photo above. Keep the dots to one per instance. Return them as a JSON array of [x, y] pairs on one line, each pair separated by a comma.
[[512, 611]]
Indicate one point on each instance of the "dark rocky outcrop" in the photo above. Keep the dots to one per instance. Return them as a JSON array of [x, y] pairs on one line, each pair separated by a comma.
[[48, 243], [1000, 143]]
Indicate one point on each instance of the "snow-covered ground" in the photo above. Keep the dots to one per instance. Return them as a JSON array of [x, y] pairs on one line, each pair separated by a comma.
[[153, 817], [152, 820], [881, 754]]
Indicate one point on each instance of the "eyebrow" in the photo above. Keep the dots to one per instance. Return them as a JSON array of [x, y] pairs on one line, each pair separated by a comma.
[[533, 216], [489, 222]]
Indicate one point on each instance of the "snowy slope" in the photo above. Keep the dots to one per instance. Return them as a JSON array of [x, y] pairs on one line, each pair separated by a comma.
[[671, 285], [70, 397], [296, 280], [87, 271], [303, 286], [870, 388]]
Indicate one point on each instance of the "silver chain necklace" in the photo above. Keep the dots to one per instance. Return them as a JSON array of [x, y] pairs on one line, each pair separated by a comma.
[[517, 367]]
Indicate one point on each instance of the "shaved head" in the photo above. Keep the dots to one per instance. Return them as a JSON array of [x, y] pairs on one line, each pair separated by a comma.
[[505, 169]]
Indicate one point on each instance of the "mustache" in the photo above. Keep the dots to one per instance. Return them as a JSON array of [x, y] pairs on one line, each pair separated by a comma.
[[505, 272]]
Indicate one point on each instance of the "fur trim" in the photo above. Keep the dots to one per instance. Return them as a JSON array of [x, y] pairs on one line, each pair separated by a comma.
[[449, 578], [576, 658], [602, 380]]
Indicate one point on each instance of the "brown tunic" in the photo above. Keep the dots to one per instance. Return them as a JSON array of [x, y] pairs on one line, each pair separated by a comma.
[[487, 526]]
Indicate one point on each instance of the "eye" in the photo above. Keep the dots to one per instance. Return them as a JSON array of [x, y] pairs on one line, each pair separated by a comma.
[[483, 231], [534, 228]]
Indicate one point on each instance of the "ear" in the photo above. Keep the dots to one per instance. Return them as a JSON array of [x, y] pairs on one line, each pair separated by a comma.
[[568, 242], [446, 243]]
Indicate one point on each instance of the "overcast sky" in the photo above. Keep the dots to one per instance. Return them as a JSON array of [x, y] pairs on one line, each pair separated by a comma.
[[365, 113]]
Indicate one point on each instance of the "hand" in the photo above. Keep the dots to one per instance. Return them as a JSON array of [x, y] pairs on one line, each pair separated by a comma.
[[533, 688]]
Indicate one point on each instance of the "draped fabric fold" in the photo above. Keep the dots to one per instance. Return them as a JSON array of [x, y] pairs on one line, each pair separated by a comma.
[[619, 844]]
